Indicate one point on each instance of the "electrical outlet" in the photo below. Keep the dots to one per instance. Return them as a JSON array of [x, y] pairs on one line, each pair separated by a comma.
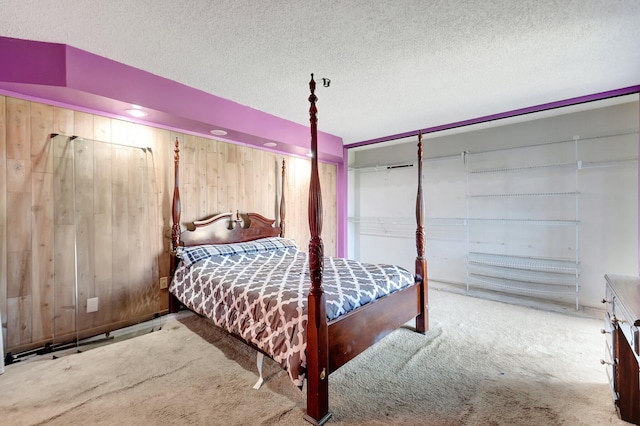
[[164, 282], [92, 305]]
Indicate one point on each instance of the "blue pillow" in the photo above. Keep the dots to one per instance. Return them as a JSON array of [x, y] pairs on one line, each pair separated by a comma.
[[193, 254]]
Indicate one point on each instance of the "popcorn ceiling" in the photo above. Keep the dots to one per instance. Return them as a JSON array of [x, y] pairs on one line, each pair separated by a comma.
[[395, 66]]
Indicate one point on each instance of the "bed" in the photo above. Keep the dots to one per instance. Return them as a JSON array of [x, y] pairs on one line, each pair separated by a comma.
[[310, 313]]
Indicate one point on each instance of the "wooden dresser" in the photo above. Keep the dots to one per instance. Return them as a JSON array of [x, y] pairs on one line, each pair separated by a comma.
[[622, 320]]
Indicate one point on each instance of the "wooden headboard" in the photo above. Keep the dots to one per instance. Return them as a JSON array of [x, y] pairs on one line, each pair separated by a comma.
[[225, 228], [222, 228]]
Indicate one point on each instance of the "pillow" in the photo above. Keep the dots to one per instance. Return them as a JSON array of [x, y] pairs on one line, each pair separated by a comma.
[[193, 254]]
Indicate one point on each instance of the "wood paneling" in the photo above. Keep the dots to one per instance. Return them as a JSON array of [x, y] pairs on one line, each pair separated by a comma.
[[18, 320], [64, 280], [62, 121], [42, 238], [120, 245], [103, 231], [18, 126], [42, 223], [101, 129], [18, 221], [84, 220], [138, 237], [212, 179], [18, 273], [105, 198], [83, 125], [41, 125]]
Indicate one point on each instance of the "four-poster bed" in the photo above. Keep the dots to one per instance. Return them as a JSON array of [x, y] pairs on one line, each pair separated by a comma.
[[247, 278]]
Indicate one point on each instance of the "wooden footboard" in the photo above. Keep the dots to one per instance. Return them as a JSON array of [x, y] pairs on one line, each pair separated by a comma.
[[351, 334]]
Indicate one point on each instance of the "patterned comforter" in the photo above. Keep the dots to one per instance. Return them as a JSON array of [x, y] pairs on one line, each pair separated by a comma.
[[258, 291]]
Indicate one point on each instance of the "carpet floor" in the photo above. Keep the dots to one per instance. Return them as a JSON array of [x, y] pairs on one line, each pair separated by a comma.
[[483, 362]]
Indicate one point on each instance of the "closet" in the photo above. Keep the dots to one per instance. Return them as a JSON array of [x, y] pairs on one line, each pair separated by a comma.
[[533, 209]]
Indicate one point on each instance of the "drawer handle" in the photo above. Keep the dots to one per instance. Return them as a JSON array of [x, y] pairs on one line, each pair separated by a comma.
[[603, 362], [616, 320], [605, 301], [603, 331]]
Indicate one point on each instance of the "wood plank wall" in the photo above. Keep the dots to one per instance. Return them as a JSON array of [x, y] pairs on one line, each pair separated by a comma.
[[94, 212]]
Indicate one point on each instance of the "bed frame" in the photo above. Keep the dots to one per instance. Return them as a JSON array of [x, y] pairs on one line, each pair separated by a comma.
[[329, 344]]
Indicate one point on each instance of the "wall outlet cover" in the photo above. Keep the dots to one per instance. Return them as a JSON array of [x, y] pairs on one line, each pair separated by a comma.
[[92, 304], [164, 282]]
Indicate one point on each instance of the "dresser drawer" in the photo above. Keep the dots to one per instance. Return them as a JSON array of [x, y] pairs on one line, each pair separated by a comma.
[[631, 333], [608, 331], [609, 359], [625, 322]]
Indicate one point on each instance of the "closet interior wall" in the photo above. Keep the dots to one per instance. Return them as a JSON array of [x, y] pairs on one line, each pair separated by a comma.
[[535, 209]]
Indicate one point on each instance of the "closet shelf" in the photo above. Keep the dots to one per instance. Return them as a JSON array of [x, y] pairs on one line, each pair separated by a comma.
[[576, 164], [558, 222], [514, 287], [523, 276], [408, 221], [567, 266], [611, 163], [379, 219], [531, 194]]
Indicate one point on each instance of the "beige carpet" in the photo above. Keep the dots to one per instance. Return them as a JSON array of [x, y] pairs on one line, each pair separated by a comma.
[[482, 363]]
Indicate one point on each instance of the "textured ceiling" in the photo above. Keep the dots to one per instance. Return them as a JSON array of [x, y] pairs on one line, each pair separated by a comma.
[[395, 66]]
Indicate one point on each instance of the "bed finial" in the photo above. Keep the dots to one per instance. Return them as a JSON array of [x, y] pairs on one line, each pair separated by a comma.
[[313, 116], [175, 228], [237, 221]]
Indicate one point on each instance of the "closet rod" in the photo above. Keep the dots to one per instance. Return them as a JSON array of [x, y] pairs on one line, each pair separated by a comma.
[[395, 166]]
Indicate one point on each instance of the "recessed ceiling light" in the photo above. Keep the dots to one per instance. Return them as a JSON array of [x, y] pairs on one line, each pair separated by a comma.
[[218, 132], [136, 112], [270, 144], [310, 154]]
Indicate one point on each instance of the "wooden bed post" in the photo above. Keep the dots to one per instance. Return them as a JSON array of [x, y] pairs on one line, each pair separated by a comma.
[[282, 206], [422, 320], [174, 305], [317, 329], [175, 228]]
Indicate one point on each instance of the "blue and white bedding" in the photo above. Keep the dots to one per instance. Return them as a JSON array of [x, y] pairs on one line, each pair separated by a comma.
[[258, 291]]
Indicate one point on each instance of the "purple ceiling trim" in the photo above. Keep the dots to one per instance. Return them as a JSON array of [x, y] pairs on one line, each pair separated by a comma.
[[22, 62], [104, 77], [522, 111], [61, 73]]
